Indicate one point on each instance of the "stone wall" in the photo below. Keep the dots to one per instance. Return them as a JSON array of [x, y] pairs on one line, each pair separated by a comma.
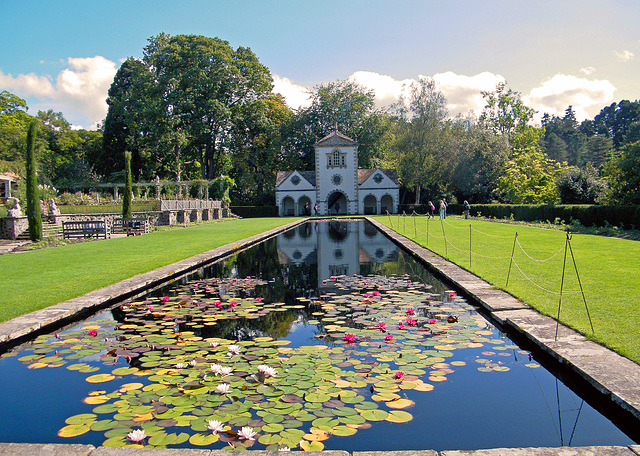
[[12, 227]]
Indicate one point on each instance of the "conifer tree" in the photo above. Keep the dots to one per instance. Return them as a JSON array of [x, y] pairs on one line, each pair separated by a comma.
[[34, 216], [126, 198]]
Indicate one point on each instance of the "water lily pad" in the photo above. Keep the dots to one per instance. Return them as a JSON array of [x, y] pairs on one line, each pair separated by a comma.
[[311, 446], [399, 416], [100, 378], [74, 430], [203, 439], [374, 415]]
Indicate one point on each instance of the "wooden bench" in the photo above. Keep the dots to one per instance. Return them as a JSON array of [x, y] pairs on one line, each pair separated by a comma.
[[131, 226], [86, 229]]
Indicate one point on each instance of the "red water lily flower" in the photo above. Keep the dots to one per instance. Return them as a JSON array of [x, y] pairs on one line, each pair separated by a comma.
[[388, 338], [93, 333], [349, 338], [398, 375], [410, 321]]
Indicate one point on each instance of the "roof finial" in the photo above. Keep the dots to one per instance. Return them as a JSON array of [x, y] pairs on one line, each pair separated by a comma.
[[336, 127]]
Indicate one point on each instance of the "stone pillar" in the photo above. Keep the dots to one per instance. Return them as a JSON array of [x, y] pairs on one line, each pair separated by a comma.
[[196, 215], [207, 214], [183, 216], [217, 214]]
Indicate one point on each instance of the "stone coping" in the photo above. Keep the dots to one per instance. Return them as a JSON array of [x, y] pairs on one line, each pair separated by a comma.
[[90, 450], [608, 372]]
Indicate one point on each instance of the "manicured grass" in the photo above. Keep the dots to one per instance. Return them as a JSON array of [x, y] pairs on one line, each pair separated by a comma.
[[37, 279], [607, 267]]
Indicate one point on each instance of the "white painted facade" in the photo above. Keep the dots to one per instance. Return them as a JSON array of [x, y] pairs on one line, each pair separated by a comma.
[[337, 186]]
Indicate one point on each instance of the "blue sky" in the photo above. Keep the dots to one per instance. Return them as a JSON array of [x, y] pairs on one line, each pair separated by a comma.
[[63, 55]]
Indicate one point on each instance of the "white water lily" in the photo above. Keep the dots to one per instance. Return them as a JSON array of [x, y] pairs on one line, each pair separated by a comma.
[[215, 426], [137, 436], [247, 433], [216, 368], [193, 363], [214, 344], [234, 350], [225, 371], [284, 449], [223, 388], [180, 366], [268, 371]]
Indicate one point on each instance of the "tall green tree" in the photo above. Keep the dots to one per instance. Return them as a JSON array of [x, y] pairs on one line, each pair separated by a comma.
[[126, 197], [505, 113], [420, 152], [34, 216], [622, 172], [175, 108], [256, 140], [345, 105]]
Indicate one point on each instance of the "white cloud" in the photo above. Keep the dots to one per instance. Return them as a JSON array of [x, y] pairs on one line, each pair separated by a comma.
[[556, 94], [624, 56], [464, 93], [79, 91], [296, 96], [588, 71], [386, 89]]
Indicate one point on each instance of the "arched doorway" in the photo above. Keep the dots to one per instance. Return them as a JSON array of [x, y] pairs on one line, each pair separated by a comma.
[[304, 206], [288, 206], [386, 204], [370, 205], [337, 203]]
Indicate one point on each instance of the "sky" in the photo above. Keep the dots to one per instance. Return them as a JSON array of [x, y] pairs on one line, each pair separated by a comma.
[[63, 55]]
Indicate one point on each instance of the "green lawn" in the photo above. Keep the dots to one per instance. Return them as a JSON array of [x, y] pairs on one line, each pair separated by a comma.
[[39, 278], [607, 267]]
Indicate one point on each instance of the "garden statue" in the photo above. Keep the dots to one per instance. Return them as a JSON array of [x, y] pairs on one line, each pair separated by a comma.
[[53, 209], [15, 211]]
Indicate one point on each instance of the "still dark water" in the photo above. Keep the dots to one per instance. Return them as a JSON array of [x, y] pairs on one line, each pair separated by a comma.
[[465, 385]]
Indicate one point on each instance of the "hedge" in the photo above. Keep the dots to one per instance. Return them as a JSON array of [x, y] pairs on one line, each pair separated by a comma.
[[587, 215], [255, 211]]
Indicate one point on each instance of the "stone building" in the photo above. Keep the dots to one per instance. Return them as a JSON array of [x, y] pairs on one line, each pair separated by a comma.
[[337, 186]]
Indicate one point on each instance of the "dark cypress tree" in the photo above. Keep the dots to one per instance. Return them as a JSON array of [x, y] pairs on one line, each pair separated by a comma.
[[126, 197], [34, 216]]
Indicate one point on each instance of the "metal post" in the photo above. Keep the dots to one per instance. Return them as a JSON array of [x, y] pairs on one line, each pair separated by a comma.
[[444, 236], [580, 283], [564, 263], [469, 246], [511, 260]]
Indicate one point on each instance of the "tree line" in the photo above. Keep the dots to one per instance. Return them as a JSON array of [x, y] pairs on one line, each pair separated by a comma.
[[193, 107]]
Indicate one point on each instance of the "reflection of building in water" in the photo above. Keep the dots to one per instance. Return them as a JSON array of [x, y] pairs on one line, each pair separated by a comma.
[[338, 248]]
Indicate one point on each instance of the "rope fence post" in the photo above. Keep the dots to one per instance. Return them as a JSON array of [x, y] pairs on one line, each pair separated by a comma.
[[579, 282], [444, 236], [428, 231], [415, 228], [564, 264], [469, 245], [511, 260]]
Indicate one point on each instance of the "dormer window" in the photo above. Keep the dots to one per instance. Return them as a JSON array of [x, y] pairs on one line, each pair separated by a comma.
[[336, 159]]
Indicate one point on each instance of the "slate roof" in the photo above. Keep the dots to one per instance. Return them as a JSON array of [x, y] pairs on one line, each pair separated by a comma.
[[282, 176], [364, 174], [335, 138]]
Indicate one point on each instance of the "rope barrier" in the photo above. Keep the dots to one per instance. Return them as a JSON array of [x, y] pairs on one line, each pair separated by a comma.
[[534, 259], [459, 227], [491, 235], [542, 288]]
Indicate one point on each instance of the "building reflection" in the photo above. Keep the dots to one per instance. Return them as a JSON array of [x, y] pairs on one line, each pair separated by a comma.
[[336, 247]]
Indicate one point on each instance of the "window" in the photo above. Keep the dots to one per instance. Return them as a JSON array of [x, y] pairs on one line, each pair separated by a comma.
[[336, 159]]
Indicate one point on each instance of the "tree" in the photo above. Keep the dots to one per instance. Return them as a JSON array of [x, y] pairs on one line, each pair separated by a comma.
[[256, 140], [126, 197], [619, 121], [622, 172], [578, 186], [344, 105], [10, 103], [419, 152], [481, 159], [505, 113], [34, 216]]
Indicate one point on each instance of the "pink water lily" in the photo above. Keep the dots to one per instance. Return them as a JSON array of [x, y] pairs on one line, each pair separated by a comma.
[[432, 321], [388, 338], [218, 305], [398, 375], [411, 311], [259, 299], [381, 325], [452, 295], [93, 333], [410, 321], [164, 298], [375, 293], [349, 338], [400, 325]]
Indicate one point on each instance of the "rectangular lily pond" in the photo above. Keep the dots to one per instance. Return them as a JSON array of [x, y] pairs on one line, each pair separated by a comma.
[[327, 336]]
